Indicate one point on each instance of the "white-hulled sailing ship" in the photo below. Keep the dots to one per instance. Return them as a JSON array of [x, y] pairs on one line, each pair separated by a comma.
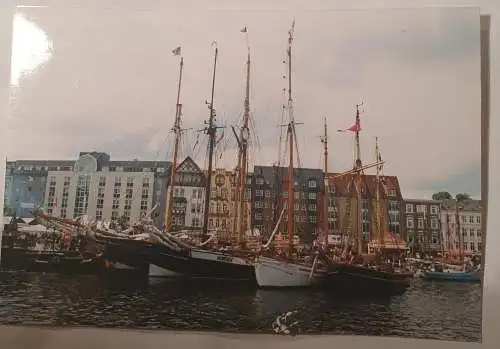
[[272, 271]]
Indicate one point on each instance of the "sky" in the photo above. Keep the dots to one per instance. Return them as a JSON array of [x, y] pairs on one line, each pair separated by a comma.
[[106, 80]]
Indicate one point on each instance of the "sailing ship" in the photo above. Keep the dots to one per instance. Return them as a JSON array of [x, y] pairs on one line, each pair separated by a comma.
[[201, 261], [355, 273], [272, 271], [461, 273]]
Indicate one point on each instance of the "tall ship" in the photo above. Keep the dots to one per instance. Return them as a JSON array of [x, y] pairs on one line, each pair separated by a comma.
[[376, 265], [288, 270], [162, 249]]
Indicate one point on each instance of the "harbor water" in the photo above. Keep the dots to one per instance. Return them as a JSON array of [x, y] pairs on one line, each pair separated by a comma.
[[427, 310]]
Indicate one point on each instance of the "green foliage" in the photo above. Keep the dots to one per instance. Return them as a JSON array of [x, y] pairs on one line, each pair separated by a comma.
[[442, 195], [462, 197]]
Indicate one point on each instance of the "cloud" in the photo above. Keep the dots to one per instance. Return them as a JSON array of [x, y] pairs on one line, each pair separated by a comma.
[[111, 85]]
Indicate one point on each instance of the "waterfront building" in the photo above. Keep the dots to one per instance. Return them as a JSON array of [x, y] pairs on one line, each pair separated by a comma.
[[222, 214], [92, 185], [423, 225], [343, 207], [269, 197], [470, 233], [25, 183], [188, 196]]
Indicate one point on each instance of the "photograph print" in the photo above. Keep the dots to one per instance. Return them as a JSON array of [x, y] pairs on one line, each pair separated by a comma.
[[245, 171]]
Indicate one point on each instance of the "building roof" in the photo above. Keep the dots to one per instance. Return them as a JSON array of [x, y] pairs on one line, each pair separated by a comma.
[[423, 201], [274, 174], [344, 188], [466, 205]]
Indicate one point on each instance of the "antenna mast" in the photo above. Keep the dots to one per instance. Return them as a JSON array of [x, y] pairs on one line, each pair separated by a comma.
[[177, 132], [210, 130]]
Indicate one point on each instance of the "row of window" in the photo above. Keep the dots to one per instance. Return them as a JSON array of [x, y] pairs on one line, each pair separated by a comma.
[[421, 208]]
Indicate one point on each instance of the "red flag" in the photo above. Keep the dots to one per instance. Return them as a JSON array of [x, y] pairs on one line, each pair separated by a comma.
[[354, 128]]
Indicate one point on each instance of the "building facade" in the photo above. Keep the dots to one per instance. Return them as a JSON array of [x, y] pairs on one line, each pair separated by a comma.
[[188, 196], [423, 225], [93, 185], [467, 235], [222, 213], [269, 197], [343, 208], [25, 183]]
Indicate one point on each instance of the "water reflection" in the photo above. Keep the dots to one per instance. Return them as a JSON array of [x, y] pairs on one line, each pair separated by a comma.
[[427, 310]]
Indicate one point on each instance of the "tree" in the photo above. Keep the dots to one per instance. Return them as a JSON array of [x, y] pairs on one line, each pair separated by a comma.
[[442, 195], [462, 197]]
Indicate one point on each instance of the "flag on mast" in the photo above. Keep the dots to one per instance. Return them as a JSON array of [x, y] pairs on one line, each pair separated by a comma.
[[354, 128], [244, 30], [176, 51]]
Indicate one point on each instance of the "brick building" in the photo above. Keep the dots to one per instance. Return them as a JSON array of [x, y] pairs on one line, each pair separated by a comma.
[[422, 221], [343, 207], [269, 196]]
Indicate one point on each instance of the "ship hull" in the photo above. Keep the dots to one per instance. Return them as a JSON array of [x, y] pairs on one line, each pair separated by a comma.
[[470, 277], [193, 263], [354, 279], [273, 273]]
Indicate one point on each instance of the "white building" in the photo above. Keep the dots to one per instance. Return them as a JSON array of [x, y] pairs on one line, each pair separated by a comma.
[[103, 189], [188, 195], [470, 234]]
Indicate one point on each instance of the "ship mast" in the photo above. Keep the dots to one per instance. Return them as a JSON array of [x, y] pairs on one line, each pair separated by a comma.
[[177, 132], [243, 153], [378, 227], [210, 130], [458, 232], [358, 167], [290, 134], [324, 140]]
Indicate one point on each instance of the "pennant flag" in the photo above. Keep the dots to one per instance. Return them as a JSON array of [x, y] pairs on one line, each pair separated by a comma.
[[244, 30], [176, 51], [354, 128]]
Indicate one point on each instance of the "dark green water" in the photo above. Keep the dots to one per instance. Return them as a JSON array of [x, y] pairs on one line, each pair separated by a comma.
[[426, 310]]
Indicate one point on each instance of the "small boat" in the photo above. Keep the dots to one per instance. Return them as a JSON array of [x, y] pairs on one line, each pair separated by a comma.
[[473, 276]]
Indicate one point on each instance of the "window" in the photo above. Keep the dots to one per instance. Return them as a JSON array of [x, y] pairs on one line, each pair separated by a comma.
[[296, 207], [409, 208], [434, 209], [393, 205], [478, 219], [409, 222], [259, 193], [312, 183], [312, 196], [285, 194], [420, 223], [259, 181], [421, 209], [392, 193], [267, 194], [331, 190], [434, 223], [312, 219], [258, 216], [259, 204], [312, 207]]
